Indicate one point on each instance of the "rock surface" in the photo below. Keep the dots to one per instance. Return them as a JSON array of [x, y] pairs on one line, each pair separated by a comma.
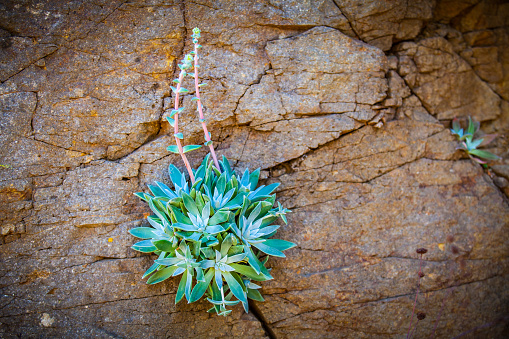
[[346, 105]]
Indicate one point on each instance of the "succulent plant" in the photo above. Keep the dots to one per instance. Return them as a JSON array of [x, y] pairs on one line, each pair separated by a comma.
[[469, 144], [213, 230], [218, 242]]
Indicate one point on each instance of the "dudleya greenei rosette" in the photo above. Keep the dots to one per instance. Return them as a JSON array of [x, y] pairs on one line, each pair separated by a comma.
[[215, 229]]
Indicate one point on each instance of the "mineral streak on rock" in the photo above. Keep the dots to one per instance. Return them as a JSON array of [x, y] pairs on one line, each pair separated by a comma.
[[345, 103]]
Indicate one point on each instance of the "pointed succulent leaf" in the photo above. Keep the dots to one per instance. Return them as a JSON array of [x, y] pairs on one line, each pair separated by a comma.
[[173, 149], [281, 245], [472, 126], [267, 230], [189, 148], [175, 174], [161, 275], [156, 191], [182, 288], [163, 245], [236, 258], [245, 179], [143, 232], [235, 287], [214, 229], [253, 261], [151, 270], [219, 217], [484, 154], [249, 272], [201, 287], [218, 278], [269, 250], [255, 295], [143, 196], [226, 244], [263, 192], [190, 204], [168, 261], [253, 178]]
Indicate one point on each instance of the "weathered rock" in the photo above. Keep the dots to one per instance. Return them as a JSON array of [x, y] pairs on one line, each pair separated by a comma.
[[83, 101], [431, 66], [330, 83], [381, 23], [342, 262]]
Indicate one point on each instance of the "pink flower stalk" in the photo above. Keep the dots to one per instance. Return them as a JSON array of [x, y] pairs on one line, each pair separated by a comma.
[[176, 128], [196, 35]]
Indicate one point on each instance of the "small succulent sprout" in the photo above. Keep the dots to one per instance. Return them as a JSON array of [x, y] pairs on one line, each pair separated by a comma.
[[470, 145]]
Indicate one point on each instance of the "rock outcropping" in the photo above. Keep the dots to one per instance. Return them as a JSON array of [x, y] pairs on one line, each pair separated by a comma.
[[345, 103]]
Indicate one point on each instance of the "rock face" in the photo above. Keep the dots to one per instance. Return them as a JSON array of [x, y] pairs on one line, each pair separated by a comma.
[[345, 103]]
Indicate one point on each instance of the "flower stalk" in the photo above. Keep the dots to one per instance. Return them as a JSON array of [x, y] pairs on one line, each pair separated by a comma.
[[176, 127], [208, 141]]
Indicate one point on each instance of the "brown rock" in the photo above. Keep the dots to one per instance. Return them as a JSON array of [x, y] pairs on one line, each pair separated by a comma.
[[350, 133], [431, 67], [379, 23]]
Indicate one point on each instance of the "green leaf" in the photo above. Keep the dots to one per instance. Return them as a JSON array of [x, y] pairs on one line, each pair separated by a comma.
[[472, 126], [143, 196], [143, 232], [201, 287], [235, 250], [484, 154], [173, 149], [269, 250], [182, 287], [208, 143], [203, 84], [226, 244], [202, 120], [183, 90], [253, 178], [174, 90], [190, 204], [195, 99], [171, 121], [156, 191], [144, 249], [190, 148], [235, 287], [176, 111], [158, 208], [163, 245], [151, 270], [219, 217], [179, 135], [168, 261], [176, 81], [249, 272], [161, 275], [254, 294], [281, 245]]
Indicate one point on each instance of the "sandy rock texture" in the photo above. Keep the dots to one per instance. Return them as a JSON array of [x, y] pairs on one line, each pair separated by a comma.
[[347, 104]]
